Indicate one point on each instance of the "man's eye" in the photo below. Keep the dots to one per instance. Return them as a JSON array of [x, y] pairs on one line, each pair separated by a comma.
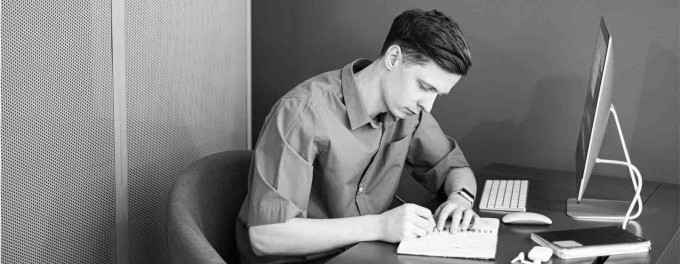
[[428, 89]]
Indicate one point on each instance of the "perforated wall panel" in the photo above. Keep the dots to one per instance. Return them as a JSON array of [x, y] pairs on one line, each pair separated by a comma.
[[58, 182], [186, 98]]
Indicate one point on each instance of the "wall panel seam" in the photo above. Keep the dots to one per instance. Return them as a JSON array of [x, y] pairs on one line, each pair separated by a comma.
[[249, 82], [120, 127]]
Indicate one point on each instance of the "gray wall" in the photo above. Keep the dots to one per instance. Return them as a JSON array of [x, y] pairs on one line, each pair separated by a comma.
[[521, 103]]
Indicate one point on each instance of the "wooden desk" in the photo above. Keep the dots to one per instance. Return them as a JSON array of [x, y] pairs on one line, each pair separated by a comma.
[[548, 192]]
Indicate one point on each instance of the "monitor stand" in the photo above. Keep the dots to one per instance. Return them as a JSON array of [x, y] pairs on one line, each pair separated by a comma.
[[596, 209]]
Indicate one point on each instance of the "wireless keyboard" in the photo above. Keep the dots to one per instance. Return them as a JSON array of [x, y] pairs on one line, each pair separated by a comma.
[[505, 195]]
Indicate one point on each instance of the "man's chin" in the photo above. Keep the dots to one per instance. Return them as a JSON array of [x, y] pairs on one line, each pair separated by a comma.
[[401, 115], [397, 115]]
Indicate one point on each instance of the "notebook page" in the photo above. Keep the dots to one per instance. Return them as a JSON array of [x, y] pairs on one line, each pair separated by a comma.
[[479, 243]]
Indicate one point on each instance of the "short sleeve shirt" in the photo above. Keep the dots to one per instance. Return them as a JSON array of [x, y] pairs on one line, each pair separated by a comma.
[[320, 155]]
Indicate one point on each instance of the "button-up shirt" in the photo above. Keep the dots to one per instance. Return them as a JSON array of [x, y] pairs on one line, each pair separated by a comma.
[[320, 155]]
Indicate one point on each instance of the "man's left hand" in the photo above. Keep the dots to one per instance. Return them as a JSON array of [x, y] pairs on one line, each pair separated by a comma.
[[460, 211]]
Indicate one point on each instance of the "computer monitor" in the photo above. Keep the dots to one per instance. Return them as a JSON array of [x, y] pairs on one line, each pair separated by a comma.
[[596, 110], [598, 106]]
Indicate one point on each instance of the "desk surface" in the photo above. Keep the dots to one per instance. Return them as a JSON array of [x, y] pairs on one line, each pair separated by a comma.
[[548, 192]]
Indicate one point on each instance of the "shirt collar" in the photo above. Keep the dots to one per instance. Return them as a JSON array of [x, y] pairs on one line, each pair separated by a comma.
[[356, 111]]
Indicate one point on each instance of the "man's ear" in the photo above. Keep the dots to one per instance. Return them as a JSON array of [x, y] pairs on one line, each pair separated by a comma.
[[392, 57]]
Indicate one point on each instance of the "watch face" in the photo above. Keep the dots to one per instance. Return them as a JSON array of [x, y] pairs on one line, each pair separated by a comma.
[[469, 195]]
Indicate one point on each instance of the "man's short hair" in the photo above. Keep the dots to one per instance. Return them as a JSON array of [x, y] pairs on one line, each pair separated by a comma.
[[430, 35]]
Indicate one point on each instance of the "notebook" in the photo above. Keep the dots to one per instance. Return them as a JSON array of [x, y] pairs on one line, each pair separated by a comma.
[[478, 242], [591, 242]]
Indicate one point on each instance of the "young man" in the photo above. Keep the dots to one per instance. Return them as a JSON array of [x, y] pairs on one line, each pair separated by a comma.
[[331, 151]]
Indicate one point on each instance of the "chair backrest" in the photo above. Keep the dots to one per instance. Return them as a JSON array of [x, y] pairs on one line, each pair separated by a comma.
[[203, 208]]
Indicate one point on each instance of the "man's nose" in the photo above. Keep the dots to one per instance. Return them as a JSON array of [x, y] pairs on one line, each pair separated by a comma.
[[426, 103]]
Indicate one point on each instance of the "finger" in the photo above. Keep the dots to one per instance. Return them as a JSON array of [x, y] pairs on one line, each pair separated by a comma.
[[418, 231], [444, 215], [422, 223], [437, 212], [467, 218], [475, 220], [455, 220], [425, 213]]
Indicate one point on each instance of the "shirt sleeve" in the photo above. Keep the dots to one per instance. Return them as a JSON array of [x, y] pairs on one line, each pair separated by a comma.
[[281, 169], [432, 155]]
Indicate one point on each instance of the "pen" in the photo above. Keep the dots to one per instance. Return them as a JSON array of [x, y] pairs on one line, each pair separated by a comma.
[[404, 202], [399, 199]]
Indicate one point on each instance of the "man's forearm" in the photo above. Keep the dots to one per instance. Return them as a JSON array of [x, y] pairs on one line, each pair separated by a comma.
[[460, 178], [302, 236]]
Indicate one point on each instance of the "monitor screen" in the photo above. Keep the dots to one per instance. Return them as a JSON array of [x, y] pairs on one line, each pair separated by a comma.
[[596, 109]]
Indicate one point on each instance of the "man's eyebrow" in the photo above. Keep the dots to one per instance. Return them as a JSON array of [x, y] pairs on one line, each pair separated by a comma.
[[431, 86]]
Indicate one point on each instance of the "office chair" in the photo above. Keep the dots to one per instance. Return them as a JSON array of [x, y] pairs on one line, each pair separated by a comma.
[[203, 207]]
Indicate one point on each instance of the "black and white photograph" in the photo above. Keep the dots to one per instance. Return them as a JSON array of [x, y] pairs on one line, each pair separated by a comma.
[[340, 132]]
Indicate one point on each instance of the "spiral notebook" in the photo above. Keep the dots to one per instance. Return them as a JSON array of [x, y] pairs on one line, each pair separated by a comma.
[[479, 242]]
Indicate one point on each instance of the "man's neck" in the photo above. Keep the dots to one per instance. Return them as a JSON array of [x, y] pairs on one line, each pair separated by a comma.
[[368, 86]]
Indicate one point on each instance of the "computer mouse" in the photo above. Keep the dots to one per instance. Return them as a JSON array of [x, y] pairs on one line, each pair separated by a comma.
[[526, 218]]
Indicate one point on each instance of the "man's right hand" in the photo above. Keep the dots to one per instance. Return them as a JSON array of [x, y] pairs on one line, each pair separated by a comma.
[[406, 222]]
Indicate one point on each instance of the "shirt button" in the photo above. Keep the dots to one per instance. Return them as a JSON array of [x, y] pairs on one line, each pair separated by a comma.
[[361, 189]]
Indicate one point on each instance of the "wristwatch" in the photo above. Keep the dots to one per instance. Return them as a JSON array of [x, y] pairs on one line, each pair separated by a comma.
[[466, 194]]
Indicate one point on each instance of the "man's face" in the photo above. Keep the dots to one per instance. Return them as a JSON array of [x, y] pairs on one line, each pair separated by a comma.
[[411, 88]]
